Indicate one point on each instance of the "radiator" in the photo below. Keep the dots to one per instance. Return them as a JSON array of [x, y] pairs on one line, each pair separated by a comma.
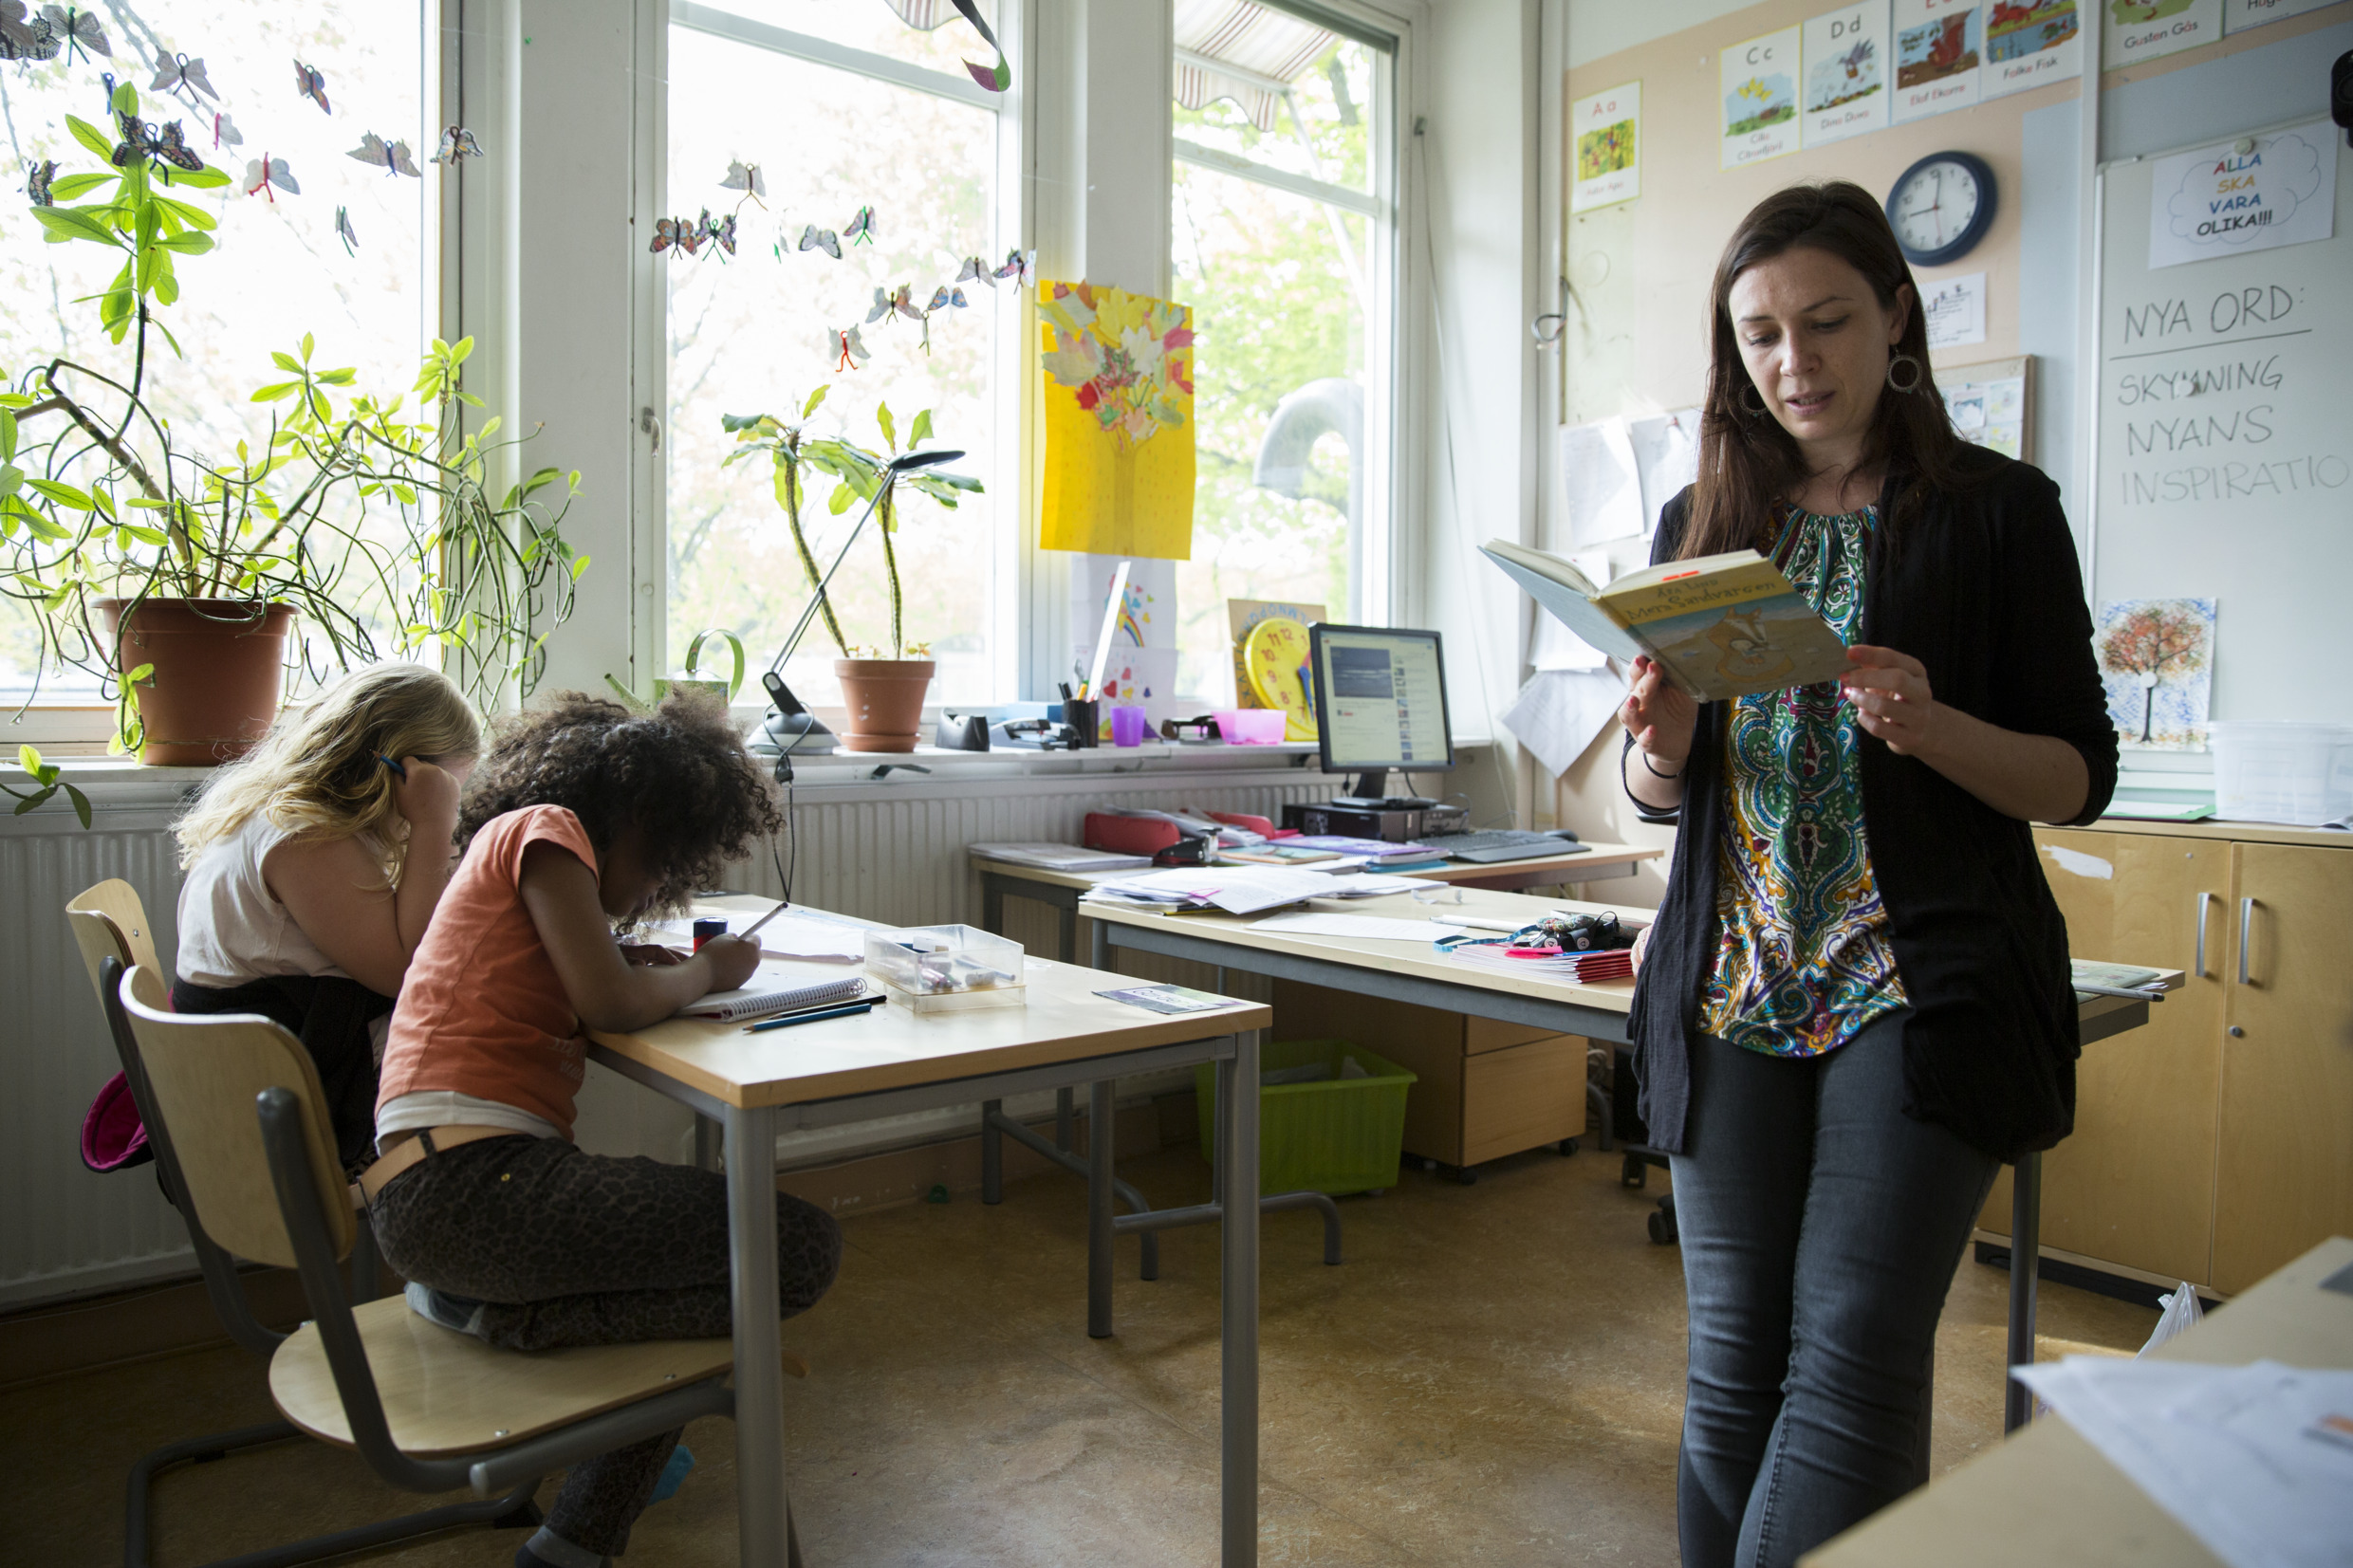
[[893, 852]]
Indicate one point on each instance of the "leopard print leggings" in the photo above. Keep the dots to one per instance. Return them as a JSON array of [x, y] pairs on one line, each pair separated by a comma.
[[572, 1248]]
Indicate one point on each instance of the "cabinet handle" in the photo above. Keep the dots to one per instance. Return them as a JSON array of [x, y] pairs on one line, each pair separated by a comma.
[[2205, 903], [2246, 927]]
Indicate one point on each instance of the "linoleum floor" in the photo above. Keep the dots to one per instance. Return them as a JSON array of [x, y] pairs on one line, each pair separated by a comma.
[[1493, 1376]]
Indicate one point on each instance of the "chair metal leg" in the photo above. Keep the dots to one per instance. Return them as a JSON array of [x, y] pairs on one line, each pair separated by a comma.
[[514, 1511], [792, 1538], [368, 1279]]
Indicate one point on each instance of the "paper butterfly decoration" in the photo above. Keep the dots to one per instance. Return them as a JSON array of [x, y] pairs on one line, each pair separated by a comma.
[[976, 268], [861, 230], [21, 39], [393, 159], [225, 132], [1021, 265], [37, 183], [180, 73], [999, 79], [677, 234], [310, 82], [456, 142], [76, 29], [746, 177], [721, 231], [140, 140], [343, 229], [814, 238], [900, 300], [266, 175], [852, 348]]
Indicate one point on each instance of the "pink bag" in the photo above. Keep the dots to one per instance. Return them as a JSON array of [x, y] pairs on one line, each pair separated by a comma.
[[113, 1137]]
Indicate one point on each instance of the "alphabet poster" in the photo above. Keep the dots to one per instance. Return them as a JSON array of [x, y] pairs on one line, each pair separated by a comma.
[[1602, 139], [1759, 84], [1847, 72], [1939, 48], [2030, 43], [2252, 193], [2146, 29]]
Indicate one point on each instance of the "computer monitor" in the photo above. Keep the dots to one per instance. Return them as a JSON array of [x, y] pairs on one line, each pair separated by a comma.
[[1379, 695]]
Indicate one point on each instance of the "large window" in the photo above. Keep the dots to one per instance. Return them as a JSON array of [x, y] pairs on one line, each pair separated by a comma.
[[844, 105], [281, 268], [1283, 232]]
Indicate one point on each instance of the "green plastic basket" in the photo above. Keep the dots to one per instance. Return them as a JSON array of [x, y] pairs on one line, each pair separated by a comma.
[[1338, 1134]]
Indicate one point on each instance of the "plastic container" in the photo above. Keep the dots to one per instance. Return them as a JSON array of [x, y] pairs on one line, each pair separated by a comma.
[[1253, 726], [1334, 1134], [2276, 771], [1127, 727], [931, 969]]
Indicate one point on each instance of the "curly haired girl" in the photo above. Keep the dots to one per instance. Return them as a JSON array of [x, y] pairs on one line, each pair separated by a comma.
[[583, 814], [314, 865]]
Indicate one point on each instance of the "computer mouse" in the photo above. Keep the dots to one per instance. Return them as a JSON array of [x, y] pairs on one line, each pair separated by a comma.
[[1560, 832]]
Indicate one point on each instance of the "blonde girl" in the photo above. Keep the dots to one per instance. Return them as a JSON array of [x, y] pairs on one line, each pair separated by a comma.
[[314, 864]]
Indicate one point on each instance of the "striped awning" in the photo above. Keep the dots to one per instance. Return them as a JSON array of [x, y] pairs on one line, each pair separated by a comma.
[[1231, 48]]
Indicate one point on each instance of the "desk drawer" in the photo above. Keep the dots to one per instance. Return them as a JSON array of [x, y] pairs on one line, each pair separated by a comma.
[[1522, 1097]]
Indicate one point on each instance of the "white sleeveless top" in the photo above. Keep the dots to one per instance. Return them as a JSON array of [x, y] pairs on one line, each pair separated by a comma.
[[232, 930]]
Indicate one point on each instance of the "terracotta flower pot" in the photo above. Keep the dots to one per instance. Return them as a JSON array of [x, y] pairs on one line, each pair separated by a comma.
[[885, 701], [218, 664]]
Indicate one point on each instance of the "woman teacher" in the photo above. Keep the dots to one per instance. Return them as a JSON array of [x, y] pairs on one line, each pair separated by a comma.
[[1854, 1002]]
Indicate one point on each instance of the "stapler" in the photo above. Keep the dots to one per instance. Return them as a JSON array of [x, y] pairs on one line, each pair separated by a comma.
[[1033, 735]]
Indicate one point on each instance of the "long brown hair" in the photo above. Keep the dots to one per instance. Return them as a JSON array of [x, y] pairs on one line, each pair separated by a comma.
[[1748, 463]]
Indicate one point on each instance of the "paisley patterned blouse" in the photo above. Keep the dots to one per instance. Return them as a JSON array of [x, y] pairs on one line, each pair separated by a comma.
[[1803, 961]]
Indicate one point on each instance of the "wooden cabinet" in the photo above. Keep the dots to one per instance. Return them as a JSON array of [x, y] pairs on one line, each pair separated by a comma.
[[1485, 1089], [2216, 1143], [2285, 1180]]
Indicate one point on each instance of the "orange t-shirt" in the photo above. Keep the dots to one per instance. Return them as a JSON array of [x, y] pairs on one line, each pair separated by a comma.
[[482, 1011]]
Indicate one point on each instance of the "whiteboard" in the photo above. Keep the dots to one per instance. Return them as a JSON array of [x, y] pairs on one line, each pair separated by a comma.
[[2226, 448]]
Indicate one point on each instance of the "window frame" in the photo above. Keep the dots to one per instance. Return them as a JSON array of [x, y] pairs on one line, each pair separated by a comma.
[[1008, 475], [1376, 538]]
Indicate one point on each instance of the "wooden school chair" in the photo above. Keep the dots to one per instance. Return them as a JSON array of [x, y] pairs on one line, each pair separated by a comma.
[[430, 1410]]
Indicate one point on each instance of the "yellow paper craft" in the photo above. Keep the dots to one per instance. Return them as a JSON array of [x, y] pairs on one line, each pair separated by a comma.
[[1117, 387]]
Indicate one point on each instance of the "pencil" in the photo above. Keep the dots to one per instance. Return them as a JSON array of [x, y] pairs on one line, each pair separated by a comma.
[[863, 1004], [782, 905]]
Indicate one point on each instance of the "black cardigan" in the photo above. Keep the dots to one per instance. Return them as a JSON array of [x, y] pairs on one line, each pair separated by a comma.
[[1980, 584]]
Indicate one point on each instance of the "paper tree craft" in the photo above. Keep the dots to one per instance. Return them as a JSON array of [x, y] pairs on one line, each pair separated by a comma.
[[1118, 388]]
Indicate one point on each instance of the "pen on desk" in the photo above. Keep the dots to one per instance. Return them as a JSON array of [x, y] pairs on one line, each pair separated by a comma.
[[864, 1005], [1475, 922], [2090, 990]]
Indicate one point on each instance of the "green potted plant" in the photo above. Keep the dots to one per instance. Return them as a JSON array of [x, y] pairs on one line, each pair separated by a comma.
[[883, 695], [177, 580]]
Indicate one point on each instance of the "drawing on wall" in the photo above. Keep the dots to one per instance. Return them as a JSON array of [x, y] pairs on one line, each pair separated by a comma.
[[2157, 660], [1955, 311], [1845, 72], [2030, 43], [2217, 200], [1758, 81], [1606, 128], [1142, 670], [2146, 29], [1987, 403], [1118, 390], [1938, 49]]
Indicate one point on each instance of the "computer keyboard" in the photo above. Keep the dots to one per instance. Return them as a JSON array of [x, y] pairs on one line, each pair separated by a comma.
[[1503, 844]]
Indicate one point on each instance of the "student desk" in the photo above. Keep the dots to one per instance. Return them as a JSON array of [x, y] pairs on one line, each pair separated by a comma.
[[1063, 890], [1411, 972], [890, 1063], [2046, 1495]]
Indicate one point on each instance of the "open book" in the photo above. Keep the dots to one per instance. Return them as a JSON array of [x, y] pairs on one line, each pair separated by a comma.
[[1721, 626]]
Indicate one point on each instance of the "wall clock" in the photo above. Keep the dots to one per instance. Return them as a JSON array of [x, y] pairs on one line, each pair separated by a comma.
[[1942, 207]]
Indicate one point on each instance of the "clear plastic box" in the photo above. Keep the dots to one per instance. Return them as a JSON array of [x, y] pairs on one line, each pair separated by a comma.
[[935, 967], [2277, 772]]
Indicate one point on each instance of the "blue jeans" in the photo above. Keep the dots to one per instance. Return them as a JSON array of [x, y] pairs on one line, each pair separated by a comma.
[[1821, 1228]]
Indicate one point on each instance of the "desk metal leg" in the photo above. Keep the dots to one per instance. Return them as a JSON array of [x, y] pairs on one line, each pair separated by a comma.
[[1065, 1119], [763, 1531], [992, 1152], [1237, 1115], [708, 1140], [1069, 926], [1099, 1111], [2026, 1257]]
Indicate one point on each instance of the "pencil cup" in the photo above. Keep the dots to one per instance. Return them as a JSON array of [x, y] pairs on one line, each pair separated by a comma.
[[1083, 717], [1127, 727]]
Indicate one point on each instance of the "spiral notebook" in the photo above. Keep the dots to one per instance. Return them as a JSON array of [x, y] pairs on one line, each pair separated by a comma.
[[751, 1000]]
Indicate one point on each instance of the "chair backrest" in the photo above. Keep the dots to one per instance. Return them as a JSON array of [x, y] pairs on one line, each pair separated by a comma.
[[205, 1073], [118, 914]]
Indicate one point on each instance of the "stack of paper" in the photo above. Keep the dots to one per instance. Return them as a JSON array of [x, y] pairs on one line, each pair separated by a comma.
[[1060, 856], [2257, 1461], [1237, 890], [1608, 964], [1375, 927], [790, 936]]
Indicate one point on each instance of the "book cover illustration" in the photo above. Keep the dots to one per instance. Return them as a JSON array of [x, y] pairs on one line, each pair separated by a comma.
[[1743, 637]]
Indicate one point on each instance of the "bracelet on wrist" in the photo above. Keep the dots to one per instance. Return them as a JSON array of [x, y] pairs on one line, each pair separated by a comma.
[[1653, 768]]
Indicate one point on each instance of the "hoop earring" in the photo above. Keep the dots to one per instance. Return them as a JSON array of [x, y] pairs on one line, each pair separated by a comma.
[[1753, 410], [1918, 376]]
